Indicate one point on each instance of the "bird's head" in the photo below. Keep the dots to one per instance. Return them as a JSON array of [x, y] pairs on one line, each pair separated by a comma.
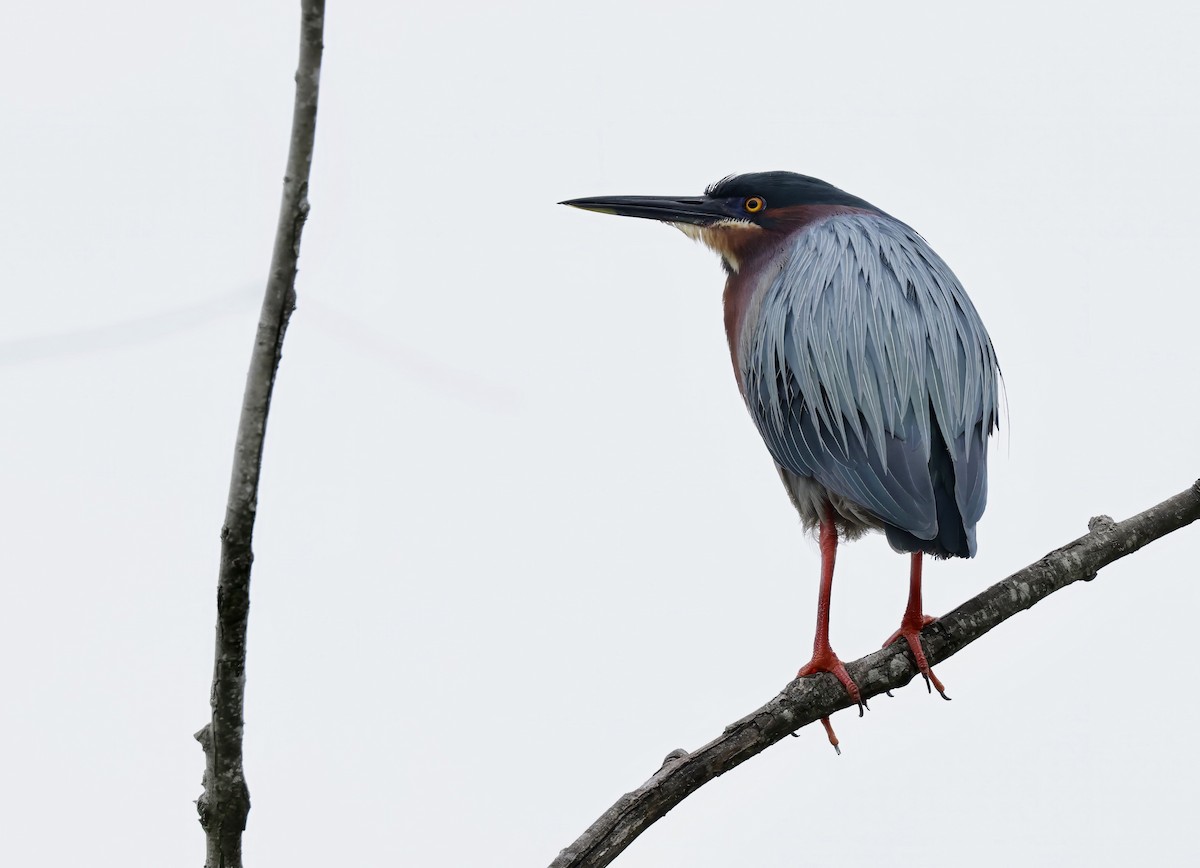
[[738, 216]]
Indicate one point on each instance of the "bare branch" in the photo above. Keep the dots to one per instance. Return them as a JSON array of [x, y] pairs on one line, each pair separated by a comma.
[[225, 802], [809, 699]]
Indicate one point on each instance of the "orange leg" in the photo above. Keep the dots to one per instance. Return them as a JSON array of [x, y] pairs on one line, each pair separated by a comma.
[[912, 623], [823, 659]]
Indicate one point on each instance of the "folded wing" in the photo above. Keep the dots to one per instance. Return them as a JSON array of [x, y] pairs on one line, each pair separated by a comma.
[[866, 367]]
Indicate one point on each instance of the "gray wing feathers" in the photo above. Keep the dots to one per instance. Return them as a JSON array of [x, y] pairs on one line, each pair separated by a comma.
[[862, 342]]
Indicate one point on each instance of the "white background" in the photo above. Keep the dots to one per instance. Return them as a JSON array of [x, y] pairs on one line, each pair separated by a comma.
[[518, 538]]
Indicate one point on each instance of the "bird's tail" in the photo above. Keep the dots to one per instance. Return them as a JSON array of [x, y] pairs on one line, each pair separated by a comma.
[[953, 538]]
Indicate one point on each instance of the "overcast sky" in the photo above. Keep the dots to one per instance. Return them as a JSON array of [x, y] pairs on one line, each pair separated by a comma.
[[518, 537]]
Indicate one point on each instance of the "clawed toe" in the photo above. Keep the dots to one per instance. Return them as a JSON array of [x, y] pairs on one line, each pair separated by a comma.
[[827, 661], [911, 633], [831, 664]]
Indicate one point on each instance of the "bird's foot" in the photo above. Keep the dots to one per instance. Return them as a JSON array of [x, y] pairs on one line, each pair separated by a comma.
[[910, 629], [827, 661]]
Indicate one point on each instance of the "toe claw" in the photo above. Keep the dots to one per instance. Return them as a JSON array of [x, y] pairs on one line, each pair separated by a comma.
[[937, 684]]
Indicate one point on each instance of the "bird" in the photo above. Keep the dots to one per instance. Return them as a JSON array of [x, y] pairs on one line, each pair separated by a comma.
[[864, 365]]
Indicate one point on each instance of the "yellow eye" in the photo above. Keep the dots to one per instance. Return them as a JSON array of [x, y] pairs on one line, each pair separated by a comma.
[[754, 204]]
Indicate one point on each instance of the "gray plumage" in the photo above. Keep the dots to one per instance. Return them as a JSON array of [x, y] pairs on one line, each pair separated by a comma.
[[868, 371]]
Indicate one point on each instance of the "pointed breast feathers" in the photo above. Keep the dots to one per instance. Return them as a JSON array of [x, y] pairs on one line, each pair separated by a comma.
[[854, 344]]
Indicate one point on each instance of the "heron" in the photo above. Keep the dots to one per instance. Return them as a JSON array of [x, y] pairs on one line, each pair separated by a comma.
[[864, 366]]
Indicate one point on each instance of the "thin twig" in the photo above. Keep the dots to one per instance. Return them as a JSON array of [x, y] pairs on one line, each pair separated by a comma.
[[809, 699], [225, 802]]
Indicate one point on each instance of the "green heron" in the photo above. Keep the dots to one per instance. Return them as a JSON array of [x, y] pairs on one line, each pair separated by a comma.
[[864, 365]]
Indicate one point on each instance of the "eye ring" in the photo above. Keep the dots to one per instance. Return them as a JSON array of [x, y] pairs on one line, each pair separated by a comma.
[[754, 204]]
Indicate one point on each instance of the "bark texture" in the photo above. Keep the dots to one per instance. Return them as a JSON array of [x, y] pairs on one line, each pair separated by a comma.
[[809, 699], [225, 802]]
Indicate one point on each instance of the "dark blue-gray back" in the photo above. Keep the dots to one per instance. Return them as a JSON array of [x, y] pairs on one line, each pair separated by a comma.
[[866, 368]]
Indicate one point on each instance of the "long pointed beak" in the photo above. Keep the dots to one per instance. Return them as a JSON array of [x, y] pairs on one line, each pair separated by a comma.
[[698, 210]]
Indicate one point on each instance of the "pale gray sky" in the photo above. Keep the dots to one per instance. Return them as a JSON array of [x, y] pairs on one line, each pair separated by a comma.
[[518, 537]]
